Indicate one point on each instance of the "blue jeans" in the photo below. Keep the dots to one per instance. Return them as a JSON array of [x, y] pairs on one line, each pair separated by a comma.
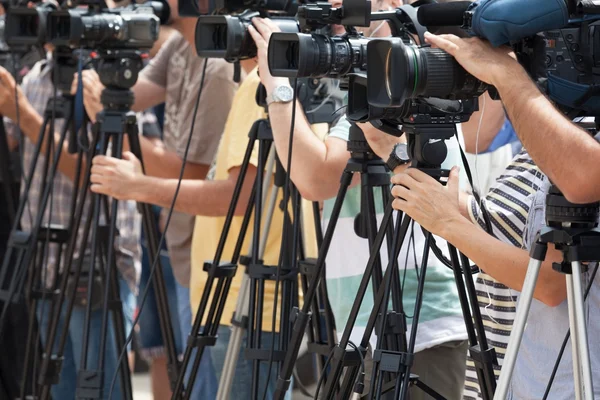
[[242, 383], [65, 389], [206, 383], [150, 336]]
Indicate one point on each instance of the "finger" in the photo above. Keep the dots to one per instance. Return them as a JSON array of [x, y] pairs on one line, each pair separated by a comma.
[[442, 42], [272, 25], [98, 188], [101, 170], [404, 179], [129, 156], [420, 176], [400, 204], [453, 180], [258, 39], [401, 192], [261, 27], [104, 160]]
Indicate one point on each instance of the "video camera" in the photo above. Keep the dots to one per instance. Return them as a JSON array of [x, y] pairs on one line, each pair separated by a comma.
[[227, 36], [97, 27], [558, 42], [90, 25]]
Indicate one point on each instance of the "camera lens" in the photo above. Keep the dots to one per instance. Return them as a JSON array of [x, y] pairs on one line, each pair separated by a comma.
[[315, 56], [398, 71]]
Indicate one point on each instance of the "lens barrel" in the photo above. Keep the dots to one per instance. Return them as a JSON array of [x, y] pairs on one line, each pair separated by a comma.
[[300, 55], [398, 71], [26, 26]]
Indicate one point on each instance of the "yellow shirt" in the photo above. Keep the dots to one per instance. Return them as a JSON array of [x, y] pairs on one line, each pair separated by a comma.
[[244, 112]]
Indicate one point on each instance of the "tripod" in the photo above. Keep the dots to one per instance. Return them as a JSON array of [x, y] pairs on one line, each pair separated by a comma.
[[573, 229], [249, 311], [427, 149]]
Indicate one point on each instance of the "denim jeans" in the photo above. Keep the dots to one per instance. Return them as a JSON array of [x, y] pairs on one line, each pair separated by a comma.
[[242, 383], [150, 336], [206, 383], [66, 387]]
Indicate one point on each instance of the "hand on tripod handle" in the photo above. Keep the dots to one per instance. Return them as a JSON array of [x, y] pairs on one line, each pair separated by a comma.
[[116, 177], [432, 205], [8, 103], [92, 90]]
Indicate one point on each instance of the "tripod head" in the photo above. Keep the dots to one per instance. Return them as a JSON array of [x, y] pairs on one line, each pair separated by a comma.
[[118, 71], [560, 213]]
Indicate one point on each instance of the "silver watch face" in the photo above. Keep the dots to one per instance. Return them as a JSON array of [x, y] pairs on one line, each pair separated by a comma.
[[401, 152], [283, 94]]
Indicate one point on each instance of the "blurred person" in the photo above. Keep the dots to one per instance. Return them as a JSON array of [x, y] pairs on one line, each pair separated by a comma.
[[174, 77]]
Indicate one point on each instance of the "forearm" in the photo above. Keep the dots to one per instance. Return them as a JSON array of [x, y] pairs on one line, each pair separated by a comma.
[[163, 163], [195, 197], [504, 262], [313, 170], [30, 123], [566, 153]]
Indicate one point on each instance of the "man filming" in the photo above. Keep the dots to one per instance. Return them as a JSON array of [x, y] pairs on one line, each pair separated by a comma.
[[316, 169], [561, 149]]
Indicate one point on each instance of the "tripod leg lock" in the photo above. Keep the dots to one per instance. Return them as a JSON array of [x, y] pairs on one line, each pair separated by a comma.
[[89, 384], [481, 358], [391, 361], [396, 323], [198, 341], [50, 371], [240, 322]]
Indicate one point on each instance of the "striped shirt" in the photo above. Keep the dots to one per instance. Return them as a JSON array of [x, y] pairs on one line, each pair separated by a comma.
[[508, 202], [38, 88]]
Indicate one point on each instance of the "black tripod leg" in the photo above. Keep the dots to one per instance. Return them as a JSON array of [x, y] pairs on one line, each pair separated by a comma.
[[337, 364], [486, 356], [283, 383], [6, 177]]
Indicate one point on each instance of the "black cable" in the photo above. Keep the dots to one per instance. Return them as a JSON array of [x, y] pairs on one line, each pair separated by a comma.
[[162, 237], [286, 198], [564, 345]]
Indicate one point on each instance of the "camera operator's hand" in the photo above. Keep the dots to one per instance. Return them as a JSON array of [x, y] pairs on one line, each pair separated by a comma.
[[116, 177], [478, 57], [92, 90], [433, 206], [8, 102], [261, 35]]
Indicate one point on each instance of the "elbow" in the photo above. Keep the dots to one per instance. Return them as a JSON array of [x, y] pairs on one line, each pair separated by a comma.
[[552, 300], [314, 192], [581, 190]]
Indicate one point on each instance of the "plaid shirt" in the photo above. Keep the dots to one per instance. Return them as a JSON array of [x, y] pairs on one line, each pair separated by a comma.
[[38, 88]]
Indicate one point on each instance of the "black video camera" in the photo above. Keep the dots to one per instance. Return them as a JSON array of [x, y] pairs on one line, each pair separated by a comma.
[[318, 55], [27, 26], [97, 27], [227, 36]]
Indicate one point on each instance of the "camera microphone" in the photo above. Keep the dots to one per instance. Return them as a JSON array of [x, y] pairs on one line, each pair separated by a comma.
[[443, 14]]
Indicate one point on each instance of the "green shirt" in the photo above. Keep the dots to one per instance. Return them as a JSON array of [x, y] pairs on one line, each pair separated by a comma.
[[441, 318]]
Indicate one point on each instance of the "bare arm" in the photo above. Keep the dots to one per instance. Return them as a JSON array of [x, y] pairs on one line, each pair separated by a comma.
[[316, 165], [163, 163], [507, 263], [566, 153], [124, 180], [147, 94], [437, 208]]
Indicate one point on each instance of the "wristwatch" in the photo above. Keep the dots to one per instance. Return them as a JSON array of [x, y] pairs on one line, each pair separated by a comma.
[[281, 94], [398, 157]]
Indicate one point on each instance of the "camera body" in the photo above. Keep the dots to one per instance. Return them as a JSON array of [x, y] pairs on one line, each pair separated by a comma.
[[227, 36]]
